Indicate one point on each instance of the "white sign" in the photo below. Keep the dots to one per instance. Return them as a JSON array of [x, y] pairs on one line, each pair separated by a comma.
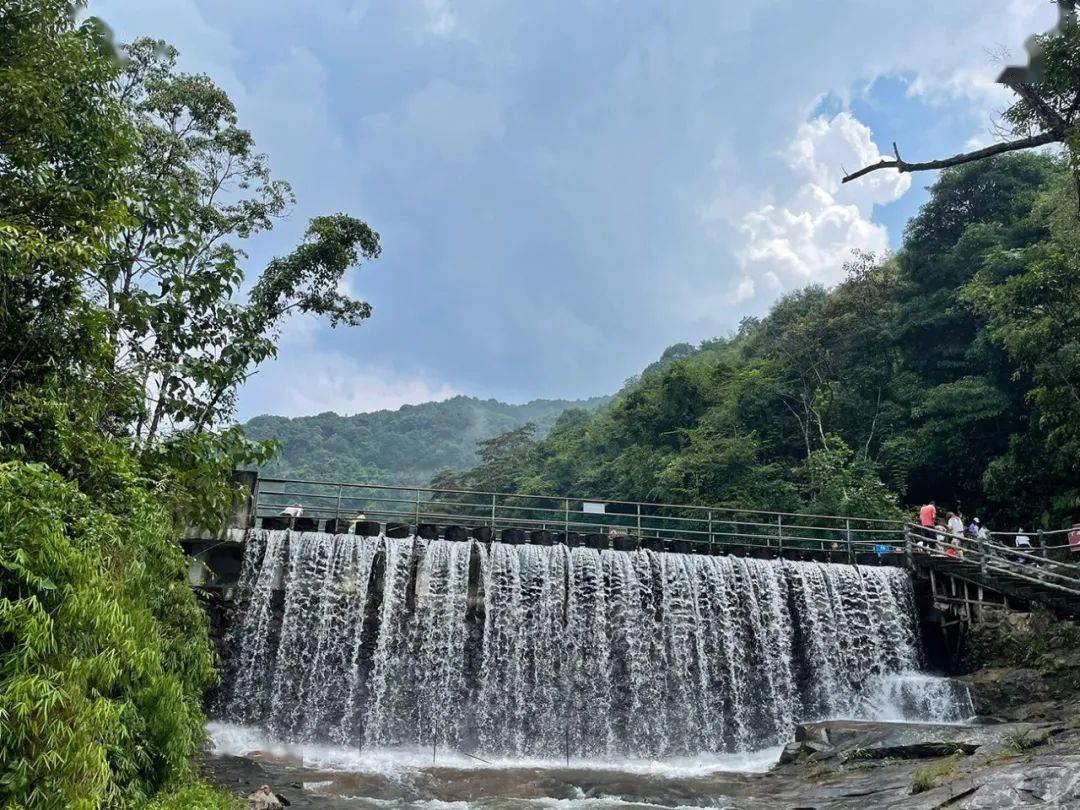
[[592, 507]]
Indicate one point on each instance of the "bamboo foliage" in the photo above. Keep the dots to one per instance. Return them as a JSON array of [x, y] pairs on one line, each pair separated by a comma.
[[100, 686]]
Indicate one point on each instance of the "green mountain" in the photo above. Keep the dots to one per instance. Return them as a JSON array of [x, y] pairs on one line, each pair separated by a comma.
[[407, 446], [949, 370]]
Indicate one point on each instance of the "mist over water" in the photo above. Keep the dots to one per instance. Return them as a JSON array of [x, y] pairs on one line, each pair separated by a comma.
[[534, 652]]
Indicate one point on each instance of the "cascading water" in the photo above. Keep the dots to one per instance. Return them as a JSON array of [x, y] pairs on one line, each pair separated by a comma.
[[533, 651]]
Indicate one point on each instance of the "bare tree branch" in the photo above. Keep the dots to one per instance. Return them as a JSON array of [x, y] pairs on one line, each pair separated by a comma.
[[902, 165]]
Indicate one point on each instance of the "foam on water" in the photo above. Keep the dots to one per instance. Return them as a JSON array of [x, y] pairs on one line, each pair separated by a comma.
[[230, 739]]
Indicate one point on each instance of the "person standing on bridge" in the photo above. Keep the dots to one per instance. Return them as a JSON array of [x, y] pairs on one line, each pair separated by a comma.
[[972, 529], [928, 515], [955, 524], [360, 516]]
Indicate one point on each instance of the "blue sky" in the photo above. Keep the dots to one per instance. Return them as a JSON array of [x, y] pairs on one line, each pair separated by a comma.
[[565, 189]]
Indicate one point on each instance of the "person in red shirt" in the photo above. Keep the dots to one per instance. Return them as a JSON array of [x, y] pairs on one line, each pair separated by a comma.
[[928, 514]]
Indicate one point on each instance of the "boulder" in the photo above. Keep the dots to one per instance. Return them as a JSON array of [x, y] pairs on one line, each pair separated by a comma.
[[866, 740], [996, 690], [790, 753], [1047, 781], [266, 799]]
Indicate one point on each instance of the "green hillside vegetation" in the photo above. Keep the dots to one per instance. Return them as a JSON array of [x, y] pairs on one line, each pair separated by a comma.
[[950, 370], [123, 338], [407, 446]]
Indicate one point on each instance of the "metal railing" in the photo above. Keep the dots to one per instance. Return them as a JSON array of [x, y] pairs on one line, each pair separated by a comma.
[[776, 532], [994, 557]]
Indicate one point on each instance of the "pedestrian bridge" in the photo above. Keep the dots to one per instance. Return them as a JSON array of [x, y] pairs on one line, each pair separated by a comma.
[[963, 580]]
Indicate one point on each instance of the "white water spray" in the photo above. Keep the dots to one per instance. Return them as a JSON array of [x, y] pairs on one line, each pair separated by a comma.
[[539, 651]]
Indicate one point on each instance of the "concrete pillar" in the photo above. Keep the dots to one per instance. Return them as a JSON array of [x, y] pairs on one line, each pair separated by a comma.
[[244, 514]]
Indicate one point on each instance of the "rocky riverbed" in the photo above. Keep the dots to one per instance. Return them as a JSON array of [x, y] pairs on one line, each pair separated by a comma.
[[834, 764]]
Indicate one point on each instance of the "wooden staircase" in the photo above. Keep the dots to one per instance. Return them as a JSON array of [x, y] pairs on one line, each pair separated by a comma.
[[1012, 573]]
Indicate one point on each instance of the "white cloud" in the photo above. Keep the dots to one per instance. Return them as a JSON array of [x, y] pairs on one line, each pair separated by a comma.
[[824, 149], [306, 382], [440, 21], [808, 237], [744, 291], [441, 120]]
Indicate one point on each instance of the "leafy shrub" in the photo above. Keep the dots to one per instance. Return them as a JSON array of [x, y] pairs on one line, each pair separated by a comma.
[[104, 651], [194, 797]]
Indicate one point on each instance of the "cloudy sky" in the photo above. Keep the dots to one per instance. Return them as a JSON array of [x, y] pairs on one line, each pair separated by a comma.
[[565, 189]]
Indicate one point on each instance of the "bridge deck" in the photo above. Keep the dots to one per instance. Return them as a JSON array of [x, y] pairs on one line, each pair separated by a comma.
[[1009, 572]]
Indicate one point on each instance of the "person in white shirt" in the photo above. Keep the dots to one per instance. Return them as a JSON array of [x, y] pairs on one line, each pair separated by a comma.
[[292, 511], [955, 524], [1022, 540]]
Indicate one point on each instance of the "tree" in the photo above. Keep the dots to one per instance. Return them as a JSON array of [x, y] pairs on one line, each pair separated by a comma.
[[196, 190], [125, 189], [836, 483], [502, 463], [944, 371], [105, 652], [1034, 313], [64, 143], [1046, 109]]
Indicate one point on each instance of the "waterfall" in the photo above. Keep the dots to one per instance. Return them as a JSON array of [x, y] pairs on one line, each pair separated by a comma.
[[523, 650]]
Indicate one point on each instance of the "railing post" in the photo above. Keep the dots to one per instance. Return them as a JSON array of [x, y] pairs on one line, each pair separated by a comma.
[[984, 549], [255, 502], [639, 521], [337, 509], [780, 534], [908, 551], [1042, 544], [710, 532], [418, 509], [566, 518], [847, 536], [493, 511]]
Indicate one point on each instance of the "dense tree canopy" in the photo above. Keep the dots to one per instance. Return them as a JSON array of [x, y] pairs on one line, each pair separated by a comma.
[[126, 191]]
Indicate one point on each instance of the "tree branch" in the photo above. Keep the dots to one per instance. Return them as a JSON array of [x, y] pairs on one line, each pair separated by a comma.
[[902, 165], [1051, 119]]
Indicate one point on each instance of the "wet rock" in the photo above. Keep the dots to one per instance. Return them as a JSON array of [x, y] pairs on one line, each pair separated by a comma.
[[997, 690], [858, 740], [813, 732], [790, 753], [1045, 781], [266, 799], [804, 751], [919, 750]]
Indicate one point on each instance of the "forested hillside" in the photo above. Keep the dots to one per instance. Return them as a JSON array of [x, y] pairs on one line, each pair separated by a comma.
[[407, 446], [950, 370]]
